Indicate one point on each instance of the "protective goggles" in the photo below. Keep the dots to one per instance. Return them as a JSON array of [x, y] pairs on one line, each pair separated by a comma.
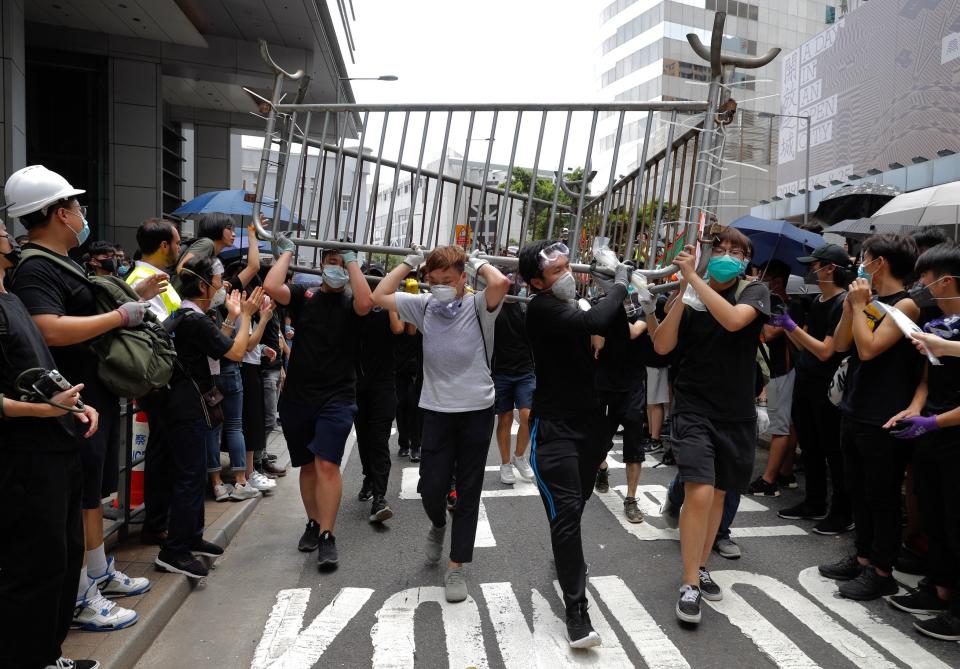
[[553, 254]]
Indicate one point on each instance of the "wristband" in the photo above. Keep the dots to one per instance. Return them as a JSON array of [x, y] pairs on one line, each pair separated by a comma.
[[229, 324]]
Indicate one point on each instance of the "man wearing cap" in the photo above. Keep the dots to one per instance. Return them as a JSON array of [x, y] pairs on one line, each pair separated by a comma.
[[63, 306], [816, 420]]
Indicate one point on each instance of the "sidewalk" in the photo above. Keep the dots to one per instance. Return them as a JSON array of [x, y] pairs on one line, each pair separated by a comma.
[[123, 648]]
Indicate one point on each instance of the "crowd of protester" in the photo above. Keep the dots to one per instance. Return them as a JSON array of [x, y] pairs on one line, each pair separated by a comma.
[[868, 405]]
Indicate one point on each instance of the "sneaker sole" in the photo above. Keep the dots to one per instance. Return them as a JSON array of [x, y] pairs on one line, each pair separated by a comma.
[[833, 533], [868, 598], [635, 521], [592, 640], [710, 596], [504, 482], [794, 516], [244, 499], [934, 635], [210, 555], [381, 515], [838, 578], [907, 609], [729, 556], [176, 570], [602, 491], [224, 498], [132, 593], [328, 564], [307, 549], [686, 617], [90, 627]]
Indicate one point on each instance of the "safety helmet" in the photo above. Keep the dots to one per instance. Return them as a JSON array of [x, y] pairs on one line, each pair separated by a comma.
[[34, 188]]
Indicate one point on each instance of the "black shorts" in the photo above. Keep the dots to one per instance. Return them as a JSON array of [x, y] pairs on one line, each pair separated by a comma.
[[100, 454], [316, 432], [720, 453], [619, 410]]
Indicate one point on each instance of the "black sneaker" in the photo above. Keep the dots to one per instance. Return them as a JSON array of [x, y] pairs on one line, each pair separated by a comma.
[[688, 606], [603, 481], [803, 511], [945, 627], [787, 482], [379, 510], [760, 488], [842, 570], [918, 601], [176, 563], [403, 452], [66, 663], [327, 554], [708, 587], [310, 539], [580, 632], [206, 548], [868, 585], [668, 457], [910, 563], [414, 454], [652, 446], [833, 525], [366, 490]]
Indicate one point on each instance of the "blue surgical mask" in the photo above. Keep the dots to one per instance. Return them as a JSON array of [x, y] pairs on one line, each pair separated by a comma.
[[84, 231], [335, 276], [724, 268]]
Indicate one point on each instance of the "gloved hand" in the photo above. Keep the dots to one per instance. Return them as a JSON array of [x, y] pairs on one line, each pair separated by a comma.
[[131, 313], [914, 426], [415, 259], [782, 321], [285, 244], [622, 274], [348, 257], [475, 262], [647, 301]]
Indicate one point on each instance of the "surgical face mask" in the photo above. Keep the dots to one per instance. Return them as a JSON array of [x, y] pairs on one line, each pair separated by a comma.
[[335, 276], [443, 294], [925, 299], [84, 231], [218, 298], [862, 272], [108, 265], [564, 288], [724, 268], [812, 277], [13, 255], [123, 270]]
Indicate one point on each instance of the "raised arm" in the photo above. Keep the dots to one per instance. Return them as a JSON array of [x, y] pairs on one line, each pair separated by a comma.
[[383, 294], [276, 282], [250, 270]]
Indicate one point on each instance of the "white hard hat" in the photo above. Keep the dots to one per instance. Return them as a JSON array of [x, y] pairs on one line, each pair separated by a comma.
[[35, 187]]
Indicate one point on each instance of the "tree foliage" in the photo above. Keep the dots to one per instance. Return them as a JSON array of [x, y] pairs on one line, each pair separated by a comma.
[[544, 188]]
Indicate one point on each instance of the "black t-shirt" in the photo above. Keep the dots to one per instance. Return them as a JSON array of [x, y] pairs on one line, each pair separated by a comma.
[[822, 319], [511, 350], [408, 353], [46, 288], [321, 366], [645, 342], [22, 348], [619, 364], [943, 380], [716, 370], [375, 352], [197, 338], [559, 335], [879, 388], [783, 353], [271, 338]]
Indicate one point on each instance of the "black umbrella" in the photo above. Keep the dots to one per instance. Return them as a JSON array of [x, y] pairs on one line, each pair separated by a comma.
[[855, 201]]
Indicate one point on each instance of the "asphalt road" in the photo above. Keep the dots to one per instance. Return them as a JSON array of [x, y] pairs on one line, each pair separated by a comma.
[[266, 604]]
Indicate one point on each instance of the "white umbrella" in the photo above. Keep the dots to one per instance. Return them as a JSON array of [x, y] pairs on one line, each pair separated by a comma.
[[937, 205]]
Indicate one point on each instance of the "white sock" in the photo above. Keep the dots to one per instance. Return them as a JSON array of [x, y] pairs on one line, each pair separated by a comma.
[[97, 561], [83, 584]]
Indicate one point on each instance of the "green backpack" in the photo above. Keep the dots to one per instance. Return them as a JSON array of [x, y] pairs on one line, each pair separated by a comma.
[[133, 361], [763, 353]]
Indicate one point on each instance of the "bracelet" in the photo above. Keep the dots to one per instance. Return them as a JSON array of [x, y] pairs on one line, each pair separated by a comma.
[[229, 324]]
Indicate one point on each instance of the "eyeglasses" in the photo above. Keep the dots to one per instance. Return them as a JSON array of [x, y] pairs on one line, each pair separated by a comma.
[[733, 253], [82, 213], [553, 254]]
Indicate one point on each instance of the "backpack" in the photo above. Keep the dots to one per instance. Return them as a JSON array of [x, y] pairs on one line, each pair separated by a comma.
[[763, 353], [133, 361]]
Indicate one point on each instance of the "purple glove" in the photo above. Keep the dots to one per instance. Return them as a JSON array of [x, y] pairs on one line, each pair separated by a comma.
[[782, 321], [915, 426]]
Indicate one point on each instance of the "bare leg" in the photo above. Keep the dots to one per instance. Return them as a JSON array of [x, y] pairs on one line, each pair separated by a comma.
[[778, 453], [716, 515], [328, 491], [504, 423], [633, 477], [523, 435], [655, 419], [694, 522], [249, 471], [786, 469], [308, 491]]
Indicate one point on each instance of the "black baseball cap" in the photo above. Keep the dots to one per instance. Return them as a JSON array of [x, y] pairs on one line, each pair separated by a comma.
[[828, 253]]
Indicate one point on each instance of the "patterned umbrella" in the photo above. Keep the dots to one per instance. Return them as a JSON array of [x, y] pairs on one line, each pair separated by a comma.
[[855, 201]]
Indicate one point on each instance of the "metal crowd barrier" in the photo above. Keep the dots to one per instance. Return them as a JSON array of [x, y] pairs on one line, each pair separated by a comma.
[[126, 513]]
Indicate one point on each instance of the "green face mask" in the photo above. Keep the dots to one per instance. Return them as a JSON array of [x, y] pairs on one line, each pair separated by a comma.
[[724, 268]]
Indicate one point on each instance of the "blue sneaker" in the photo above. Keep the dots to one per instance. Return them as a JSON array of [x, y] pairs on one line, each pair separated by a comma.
[[114, 584], [96, 613]]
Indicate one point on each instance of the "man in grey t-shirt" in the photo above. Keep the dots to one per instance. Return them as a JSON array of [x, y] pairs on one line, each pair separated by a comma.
[[457, 396]]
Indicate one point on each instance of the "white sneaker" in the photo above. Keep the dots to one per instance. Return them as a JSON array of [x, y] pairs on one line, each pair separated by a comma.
[[506, 475], [66, 663], [242, 491], [221, 492], [115, 583], [96, 613], [522, 463], [261, 482]]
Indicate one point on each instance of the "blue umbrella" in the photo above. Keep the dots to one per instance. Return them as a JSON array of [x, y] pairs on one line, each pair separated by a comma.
[[238, 202], [778, 240]]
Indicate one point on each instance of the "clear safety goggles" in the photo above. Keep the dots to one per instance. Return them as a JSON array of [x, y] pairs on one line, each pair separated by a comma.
[[553, 254]]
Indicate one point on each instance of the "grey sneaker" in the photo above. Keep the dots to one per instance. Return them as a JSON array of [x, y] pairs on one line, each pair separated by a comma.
[[434, 546], [243, 491], [506, 474], [522, 463], [632, 511], [455, 585], [727, 548]]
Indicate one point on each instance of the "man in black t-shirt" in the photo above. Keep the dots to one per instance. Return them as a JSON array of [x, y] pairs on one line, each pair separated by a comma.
[[41, 472], [882, 374], [714, 413], [318, 403]]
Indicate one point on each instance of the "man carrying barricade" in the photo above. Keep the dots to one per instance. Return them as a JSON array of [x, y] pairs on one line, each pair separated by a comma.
[[458, 392]]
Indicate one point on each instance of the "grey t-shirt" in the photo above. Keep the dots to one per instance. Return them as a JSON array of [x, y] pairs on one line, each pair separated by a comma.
[[456, 375]]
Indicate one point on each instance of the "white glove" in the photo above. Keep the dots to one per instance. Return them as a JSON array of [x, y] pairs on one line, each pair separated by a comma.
[[285, 244], [415, 259], [475, 262], [647, 301], [131, 313]]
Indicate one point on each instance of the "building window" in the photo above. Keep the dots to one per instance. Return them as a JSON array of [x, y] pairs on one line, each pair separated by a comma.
[[614, 8], [743, 10], [633, 62], [634, 27], [831, 15]]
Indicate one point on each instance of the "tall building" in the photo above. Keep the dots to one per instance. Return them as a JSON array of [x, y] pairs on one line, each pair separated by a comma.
[[643, 55]]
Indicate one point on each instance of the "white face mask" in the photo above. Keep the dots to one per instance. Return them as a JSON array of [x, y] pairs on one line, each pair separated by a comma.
[[218, 298], [564, 288], [443, 294]]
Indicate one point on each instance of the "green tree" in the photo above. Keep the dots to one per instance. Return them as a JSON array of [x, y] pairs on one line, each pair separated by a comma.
[[544, 187]]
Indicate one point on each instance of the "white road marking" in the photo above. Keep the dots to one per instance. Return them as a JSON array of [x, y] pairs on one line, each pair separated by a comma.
[[393, 639], [611, 653], [410, 476], [348, 450], [774, 643], [644, 632], [484, 537], [283, 643], [861, 618]]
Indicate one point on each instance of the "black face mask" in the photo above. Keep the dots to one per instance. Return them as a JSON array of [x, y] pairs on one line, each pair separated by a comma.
[[13, 257], [922, 296], [108, 265]]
